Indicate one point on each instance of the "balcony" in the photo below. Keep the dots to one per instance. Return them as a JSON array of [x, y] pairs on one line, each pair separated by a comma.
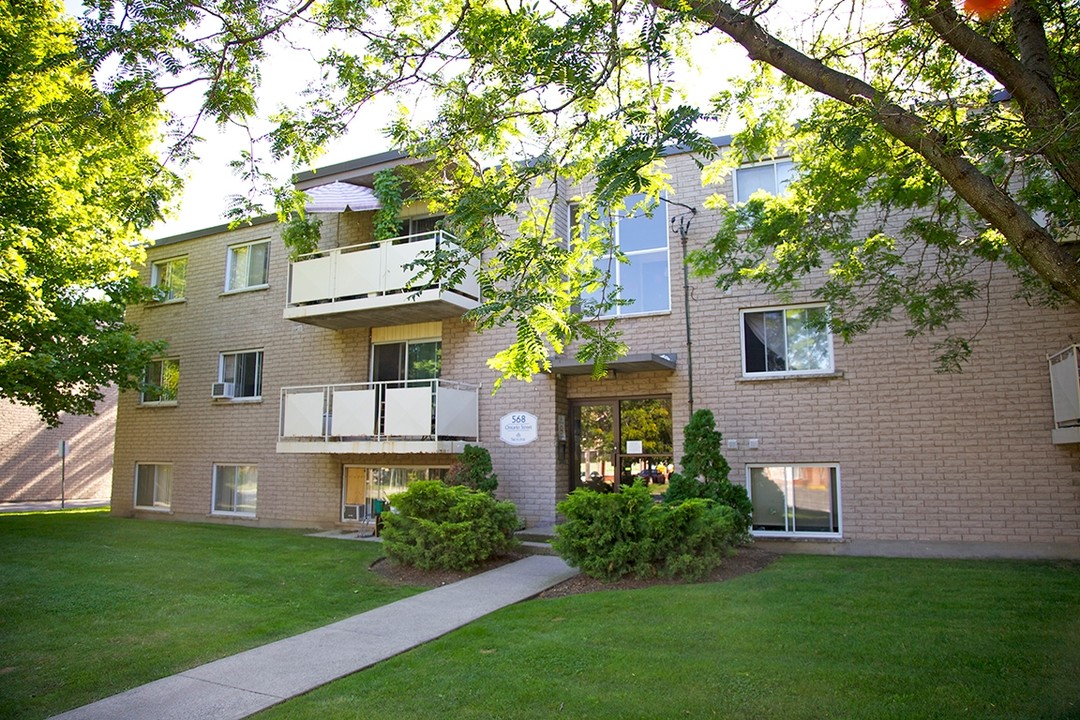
[[368, 285], [415, 416], [1065, 387]]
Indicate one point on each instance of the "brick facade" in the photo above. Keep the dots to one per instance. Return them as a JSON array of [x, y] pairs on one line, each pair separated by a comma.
[[950, 463], [30, 464]]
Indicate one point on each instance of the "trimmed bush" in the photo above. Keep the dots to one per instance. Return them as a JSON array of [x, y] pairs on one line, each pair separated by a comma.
[[434, 526], [473, 469], [612, 535]]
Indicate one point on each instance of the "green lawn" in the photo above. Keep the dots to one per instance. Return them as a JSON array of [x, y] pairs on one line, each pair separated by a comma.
[[91, 605], [810, 637]]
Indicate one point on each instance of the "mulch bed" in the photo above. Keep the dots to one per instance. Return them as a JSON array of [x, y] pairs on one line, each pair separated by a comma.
[[747, 559]]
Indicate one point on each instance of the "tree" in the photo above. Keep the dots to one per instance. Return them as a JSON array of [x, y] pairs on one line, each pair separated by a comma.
[[959, 135], [78, 182]]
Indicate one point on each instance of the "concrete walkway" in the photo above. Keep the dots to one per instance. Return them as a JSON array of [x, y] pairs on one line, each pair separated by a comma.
[[241, 685], [39, 505]]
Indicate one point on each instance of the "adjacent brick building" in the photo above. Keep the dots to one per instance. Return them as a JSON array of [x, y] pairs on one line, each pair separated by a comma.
[[31, 468], [295, 394]]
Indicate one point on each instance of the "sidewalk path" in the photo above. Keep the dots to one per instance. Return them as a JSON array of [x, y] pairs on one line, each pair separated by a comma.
[[39, 505], [241, 685]]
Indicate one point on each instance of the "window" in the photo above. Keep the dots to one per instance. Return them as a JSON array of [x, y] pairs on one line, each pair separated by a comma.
[[235, 488], [161, 380], [362, 486], [169, 278], [248, 266], [153, 486], [642, 281], [420, 225], [795, 499], [243, 373], [772, 177], [787, 341], [411, 360]]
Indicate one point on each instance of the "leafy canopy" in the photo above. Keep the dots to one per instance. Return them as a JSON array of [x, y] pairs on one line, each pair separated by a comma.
[[78, 183], [893, 112]]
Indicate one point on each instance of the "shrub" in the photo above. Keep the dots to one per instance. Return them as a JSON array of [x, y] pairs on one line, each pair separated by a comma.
[[705, 471], [604, 533], [435, 526], [473, 469], [692, 538], [611, 535]]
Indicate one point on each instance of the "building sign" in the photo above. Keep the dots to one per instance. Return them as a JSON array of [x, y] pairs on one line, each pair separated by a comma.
[[517, 428]]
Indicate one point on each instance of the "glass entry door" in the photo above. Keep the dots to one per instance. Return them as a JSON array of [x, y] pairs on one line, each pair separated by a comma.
[[621, 441], [594, 441], [400, 365]]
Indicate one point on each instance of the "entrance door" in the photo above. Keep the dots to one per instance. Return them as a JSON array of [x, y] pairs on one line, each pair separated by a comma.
[[594, 443], [403, 364], [621, 441]]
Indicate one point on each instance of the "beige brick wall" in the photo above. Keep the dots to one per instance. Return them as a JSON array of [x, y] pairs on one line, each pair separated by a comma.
[[923, 457], [30, 465]]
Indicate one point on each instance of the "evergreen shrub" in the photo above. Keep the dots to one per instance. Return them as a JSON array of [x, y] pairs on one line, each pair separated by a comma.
[[474, 470], [705, 471], [612, 535], [434, 526]]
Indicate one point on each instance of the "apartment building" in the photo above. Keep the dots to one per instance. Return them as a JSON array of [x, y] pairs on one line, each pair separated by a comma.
[[299, 393]]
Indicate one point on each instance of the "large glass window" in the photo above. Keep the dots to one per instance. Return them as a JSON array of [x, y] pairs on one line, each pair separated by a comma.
[[772, 177], [169, 278], [248, 266], [411, 360], [786, 341], [235, 488], [153, 486], [640, 234], [795, 499], [161, 381], [243, 373]]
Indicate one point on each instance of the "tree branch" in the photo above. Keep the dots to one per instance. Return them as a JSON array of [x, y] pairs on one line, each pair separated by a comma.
[[1030, 240], [1030, 82]]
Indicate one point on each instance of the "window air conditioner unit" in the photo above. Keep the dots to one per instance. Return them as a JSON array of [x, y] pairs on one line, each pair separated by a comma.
[[221, 390]]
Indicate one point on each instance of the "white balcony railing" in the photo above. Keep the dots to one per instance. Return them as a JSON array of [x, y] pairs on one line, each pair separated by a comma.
[[414, 413], [1065, 388], [370, 270]]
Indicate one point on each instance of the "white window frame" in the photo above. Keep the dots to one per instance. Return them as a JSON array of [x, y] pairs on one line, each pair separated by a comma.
[[615, 267], [158, 505], [230, 261], [161, 273], [218, 467], [779, 184], [146, 381], [258, 373], [789, 504], [829, 370]]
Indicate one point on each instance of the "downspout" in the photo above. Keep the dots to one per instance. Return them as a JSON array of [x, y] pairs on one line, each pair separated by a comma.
[[683, 228]]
